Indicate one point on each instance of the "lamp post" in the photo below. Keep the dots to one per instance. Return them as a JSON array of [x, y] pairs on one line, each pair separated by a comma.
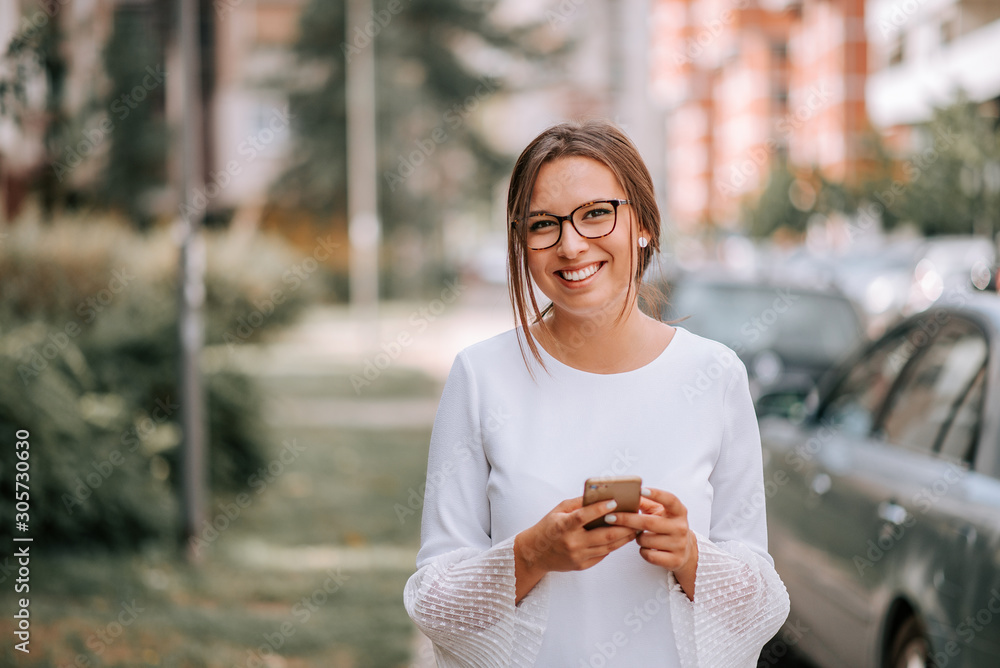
[[191, 296], [362, 175]]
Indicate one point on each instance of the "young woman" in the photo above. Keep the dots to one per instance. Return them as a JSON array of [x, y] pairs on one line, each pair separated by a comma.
[[587, 386]]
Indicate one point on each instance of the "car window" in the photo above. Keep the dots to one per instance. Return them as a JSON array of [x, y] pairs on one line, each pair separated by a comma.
[[959, 441], [934, 386], [799, 326], [854, 405]]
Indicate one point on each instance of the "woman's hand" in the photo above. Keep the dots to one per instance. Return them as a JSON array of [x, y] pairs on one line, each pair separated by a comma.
[[558, 542], [666, 540]]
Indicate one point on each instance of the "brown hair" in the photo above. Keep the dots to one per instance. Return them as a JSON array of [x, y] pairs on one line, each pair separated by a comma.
[[602, 141]]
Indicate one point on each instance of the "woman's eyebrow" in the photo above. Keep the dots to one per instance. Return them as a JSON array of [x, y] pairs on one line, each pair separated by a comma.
[[539, 212]]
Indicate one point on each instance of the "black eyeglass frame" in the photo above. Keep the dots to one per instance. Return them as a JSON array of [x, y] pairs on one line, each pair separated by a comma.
[[615, 202]]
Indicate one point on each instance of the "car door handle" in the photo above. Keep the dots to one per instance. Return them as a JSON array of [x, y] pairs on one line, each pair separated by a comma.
[[892, 513]]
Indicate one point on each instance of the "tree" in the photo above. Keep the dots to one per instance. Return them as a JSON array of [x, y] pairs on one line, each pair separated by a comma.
[[135, 112], [791, 197], [951, 183], [432, 158], [34, 56]]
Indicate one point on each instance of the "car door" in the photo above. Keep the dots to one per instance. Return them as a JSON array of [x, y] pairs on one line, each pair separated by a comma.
[[894, 500], [967, 628], [808, 533]]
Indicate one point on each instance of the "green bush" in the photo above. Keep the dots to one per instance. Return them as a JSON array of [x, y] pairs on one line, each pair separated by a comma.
[[89, 362]]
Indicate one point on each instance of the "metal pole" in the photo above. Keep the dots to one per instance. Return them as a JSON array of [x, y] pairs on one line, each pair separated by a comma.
[[362, 174], [192, 281]]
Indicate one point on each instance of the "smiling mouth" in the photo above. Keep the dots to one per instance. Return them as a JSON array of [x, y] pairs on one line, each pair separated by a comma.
[[580, 274]]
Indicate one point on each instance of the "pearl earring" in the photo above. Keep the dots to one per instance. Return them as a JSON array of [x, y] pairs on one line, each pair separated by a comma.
[[642, 242]]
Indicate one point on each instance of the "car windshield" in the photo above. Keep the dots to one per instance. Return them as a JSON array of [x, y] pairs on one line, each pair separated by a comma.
[[799, 326]]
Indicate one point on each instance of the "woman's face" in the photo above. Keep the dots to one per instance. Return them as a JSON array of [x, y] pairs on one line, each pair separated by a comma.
[[582, 276]]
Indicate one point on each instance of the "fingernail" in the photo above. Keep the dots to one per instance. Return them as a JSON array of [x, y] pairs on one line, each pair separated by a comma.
[[611, 505], [610, 519], [645, 491]]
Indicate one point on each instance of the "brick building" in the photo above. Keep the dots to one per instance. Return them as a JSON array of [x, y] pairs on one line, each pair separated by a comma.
[[749, 83]]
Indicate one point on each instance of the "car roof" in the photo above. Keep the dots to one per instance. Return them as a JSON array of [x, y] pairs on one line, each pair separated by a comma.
[[759, 283], [983, 307]]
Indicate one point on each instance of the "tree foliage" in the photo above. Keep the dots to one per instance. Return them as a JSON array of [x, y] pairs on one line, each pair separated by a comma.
[[34, 60], [950, 184], [432, 158], [792, 197], [135, 108]]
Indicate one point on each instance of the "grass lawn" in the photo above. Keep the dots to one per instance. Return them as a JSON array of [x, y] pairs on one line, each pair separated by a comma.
[[268, 592]]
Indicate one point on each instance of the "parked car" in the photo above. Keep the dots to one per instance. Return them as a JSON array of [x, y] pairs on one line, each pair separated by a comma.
[[883, 502], [787, 336]]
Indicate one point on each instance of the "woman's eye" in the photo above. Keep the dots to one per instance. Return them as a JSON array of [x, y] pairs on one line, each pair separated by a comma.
[[540, 224], [597, 213]]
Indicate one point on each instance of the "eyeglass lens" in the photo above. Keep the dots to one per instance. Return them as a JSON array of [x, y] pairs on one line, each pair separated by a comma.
[[592, 221]]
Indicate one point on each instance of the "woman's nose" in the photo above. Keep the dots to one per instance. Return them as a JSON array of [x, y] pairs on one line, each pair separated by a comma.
[[571, 243]]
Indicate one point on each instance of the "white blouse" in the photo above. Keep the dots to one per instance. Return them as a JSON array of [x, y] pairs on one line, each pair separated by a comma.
[[506, 448]]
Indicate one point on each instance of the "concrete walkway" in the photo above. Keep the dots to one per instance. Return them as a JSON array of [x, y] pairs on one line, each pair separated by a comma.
[[333, 342], [418, 335]]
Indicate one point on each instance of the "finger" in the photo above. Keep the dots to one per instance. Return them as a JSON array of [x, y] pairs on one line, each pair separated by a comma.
[[671, 504], [609, 535], [587, 514], [669, 560], [569, 505], [650, 507], [637, 522], [621, 542], [662, 542]]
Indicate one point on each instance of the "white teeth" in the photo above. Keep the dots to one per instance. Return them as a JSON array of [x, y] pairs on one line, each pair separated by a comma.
[[581, 274]]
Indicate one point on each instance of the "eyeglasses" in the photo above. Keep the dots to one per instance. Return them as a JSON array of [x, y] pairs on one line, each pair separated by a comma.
[[592, 220]]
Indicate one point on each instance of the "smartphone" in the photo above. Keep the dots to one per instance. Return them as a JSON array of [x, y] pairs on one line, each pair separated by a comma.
[[625, 489]]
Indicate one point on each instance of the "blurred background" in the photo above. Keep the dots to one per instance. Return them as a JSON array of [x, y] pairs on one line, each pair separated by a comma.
[[337, 224]]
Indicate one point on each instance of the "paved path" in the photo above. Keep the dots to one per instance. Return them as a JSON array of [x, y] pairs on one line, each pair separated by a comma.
[[331, 342], [413, 335]]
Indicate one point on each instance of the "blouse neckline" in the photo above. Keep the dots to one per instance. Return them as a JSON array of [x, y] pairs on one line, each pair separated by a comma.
[[566, 368]]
